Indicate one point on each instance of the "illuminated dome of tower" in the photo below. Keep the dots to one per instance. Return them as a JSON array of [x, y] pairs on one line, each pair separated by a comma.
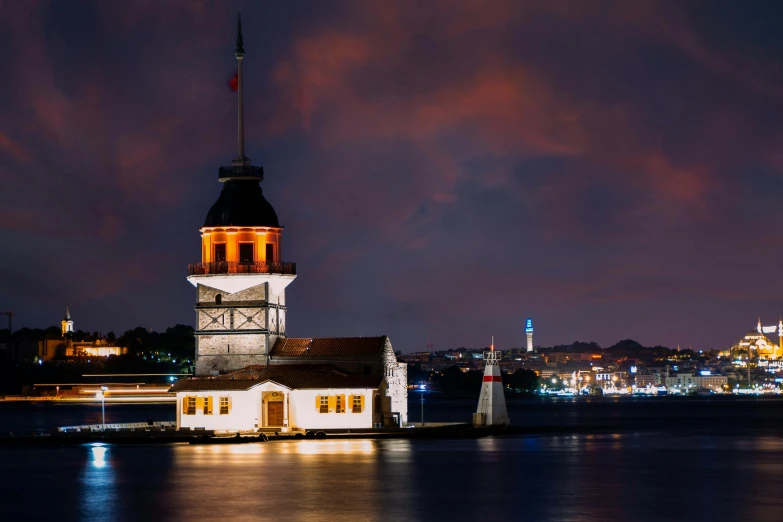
[[241, 204]]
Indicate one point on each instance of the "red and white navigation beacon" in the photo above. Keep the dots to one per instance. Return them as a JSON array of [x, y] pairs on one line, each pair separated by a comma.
[[492, 403]]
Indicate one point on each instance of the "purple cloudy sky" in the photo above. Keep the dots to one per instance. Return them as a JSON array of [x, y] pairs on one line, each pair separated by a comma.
[[443, 169]]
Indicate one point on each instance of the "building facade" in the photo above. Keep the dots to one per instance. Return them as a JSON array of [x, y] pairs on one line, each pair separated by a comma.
[[685, 381], [287, 398]]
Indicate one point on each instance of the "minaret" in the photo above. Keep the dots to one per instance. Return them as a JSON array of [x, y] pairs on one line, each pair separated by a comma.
[[780, 336], [492, 402], [758, 326], [67, 324], [241, 280], [529, 333]]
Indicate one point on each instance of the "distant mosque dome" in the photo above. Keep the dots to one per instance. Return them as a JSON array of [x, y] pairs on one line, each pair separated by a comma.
[[241, 204], [758, 345]]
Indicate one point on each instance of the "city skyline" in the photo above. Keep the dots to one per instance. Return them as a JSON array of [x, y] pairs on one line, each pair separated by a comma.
[[442, 174]]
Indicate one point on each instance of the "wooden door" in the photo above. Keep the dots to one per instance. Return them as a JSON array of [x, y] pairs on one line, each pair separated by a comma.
[[274, 413]]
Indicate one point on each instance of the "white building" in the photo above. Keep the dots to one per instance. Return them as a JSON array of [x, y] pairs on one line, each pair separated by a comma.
[[286, 398], [647, 379], [300, 371], [685, 381]]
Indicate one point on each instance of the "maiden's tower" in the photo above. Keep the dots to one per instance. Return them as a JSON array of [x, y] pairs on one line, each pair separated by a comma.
[[249, 375]]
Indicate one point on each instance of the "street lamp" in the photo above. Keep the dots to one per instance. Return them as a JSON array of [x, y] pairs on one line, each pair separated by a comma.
[[422, 408], [101, 395]]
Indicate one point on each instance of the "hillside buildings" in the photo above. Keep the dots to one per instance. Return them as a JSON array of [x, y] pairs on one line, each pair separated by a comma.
[[65, 347]]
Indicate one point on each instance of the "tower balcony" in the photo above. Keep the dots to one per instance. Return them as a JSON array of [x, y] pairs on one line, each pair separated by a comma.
[[246, 172], [236, 267]]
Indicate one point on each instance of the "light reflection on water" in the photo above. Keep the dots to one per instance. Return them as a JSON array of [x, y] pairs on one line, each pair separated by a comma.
[[98, 483], [296, 480], [99, 455], [565, 478]]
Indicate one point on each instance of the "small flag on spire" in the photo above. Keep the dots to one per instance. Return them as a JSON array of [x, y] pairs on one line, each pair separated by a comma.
[[233, 83]]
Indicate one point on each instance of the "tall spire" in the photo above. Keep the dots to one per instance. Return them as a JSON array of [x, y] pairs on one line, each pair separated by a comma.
[[67, 314], [240, 168], [239, 53]]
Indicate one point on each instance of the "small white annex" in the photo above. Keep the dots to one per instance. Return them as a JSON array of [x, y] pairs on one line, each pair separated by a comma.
[[283, 398]]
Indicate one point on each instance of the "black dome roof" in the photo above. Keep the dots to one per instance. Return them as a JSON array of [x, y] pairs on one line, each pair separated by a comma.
[[241, 204]]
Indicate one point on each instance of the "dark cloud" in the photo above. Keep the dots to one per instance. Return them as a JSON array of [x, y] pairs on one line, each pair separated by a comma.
[[443, 171]]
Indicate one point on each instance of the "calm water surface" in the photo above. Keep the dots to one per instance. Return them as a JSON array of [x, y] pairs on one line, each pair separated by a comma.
[[669, 460]]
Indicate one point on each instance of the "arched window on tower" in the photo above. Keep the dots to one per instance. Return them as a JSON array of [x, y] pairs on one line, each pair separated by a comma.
[[218, 299]]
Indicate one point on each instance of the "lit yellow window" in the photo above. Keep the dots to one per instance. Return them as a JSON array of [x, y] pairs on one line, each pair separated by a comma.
[[208, 406], [339, 406], [324, 404], [190, 406], [225, 405], [358, 402]]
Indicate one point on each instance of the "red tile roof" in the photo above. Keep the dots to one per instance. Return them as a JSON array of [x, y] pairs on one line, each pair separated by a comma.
[[328, 346], [295, 377]]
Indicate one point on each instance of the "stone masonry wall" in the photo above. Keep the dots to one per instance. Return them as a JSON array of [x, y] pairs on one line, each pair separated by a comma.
[[397, 379], [229, 352], [206, 364], [274, 298], [206, 294], [249, 318], [239, 343], [272, 319]]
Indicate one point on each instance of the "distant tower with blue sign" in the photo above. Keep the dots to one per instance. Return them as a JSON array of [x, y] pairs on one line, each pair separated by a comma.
[[529, 332]]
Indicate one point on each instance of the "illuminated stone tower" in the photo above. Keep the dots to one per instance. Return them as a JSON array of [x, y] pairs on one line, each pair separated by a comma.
[[67, 324], [240, 281], [529, 333]]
